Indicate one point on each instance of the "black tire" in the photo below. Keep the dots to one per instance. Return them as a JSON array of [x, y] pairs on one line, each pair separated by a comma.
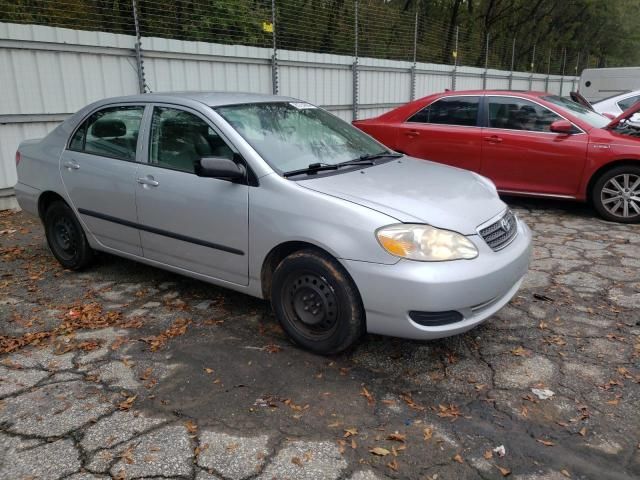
[[606, 195], [317, 303], [66, 238]]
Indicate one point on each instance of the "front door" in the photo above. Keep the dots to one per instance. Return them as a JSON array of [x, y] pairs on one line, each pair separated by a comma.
[[194, 223], [98, 171], [445, 131], [521, 154]]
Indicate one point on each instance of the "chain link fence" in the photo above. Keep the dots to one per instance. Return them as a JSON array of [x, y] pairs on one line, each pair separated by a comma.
[[385, 29]]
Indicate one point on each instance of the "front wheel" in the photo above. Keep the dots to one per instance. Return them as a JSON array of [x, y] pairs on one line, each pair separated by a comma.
[[616, 194], [66, 238], [317, 303]]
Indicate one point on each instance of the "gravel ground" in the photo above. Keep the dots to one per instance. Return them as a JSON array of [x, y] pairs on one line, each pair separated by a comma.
[[125, 371]]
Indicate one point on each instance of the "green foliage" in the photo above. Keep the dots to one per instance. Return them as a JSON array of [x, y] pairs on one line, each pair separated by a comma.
[[548, 35]]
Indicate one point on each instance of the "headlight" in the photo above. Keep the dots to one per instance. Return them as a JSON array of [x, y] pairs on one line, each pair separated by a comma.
[[425, 243]]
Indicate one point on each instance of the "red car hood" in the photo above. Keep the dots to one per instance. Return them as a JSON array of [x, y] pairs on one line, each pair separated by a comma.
[[628, 113]]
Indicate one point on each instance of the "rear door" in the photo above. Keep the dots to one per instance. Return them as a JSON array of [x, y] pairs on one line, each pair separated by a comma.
[[446, 131], [98, 169], [521, 154], [194, 223]]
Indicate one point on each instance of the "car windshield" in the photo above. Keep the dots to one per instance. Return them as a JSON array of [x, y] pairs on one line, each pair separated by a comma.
[[294, 135], [592, 118]]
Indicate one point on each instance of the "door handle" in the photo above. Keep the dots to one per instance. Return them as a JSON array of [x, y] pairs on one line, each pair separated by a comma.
[[71, 165], [493, 139], [148, 181], [412, 133]]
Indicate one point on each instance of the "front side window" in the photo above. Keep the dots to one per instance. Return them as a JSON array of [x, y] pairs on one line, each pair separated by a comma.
[[589, 116], [518, 114], [450, 111], [628, 102], [293, 135], [110, 132], [179, 139]]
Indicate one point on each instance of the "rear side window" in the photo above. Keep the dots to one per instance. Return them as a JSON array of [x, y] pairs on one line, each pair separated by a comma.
[[628, 102], [110, 132], [450, 111]]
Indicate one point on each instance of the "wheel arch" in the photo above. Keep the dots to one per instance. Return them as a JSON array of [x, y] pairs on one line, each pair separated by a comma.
[[604, 169], [45, 199]]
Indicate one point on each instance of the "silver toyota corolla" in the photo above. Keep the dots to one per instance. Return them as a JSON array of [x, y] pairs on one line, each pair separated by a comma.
[[279, 199]]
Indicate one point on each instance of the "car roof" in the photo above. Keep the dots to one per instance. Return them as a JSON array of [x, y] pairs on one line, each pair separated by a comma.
[[212, 99], [532, 93]]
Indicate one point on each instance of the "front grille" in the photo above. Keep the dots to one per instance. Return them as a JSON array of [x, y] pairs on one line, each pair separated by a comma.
[[499, 234]]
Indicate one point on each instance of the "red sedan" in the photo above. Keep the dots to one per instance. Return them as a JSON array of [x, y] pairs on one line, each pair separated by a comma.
[[528, 143]]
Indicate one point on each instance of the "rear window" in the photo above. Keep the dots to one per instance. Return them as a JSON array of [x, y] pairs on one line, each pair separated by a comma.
[[461, 111]]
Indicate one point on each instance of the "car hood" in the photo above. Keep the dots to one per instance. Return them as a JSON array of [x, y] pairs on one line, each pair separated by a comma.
[[417, 191]]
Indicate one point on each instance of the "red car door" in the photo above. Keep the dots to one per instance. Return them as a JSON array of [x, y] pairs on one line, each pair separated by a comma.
[[520, 153], [446, 131]]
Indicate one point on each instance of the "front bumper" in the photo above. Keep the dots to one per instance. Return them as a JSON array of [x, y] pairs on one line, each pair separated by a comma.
[[476, 288]]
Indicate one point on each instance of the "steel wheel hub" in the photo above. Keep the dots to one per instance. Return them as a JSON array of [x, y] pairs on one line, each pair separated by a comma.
[[621, 195], [64, 236], [311, 303]]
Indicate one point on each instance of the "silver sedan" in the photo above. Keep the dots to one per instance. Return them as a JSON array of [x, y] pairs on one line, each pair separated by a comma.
[[279, 199]]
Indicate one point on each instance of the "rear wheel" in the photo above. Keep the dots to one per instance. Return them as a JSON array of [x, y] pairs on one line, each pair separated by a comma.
[[317, 303], [616, 194], [66, 238]]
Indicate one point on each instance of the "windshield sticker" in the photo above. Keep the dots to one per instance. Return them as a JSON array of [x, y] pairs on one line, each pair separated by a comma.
[[302, 105]]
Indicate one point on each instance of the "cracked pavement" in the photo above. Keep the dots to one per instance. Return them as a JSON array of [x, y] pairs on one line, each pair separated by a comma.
[[125, 371]]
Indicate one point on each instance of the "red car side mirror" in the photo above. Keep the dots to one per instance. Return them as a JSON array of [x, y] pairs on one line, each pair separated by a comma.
[[562, 126]]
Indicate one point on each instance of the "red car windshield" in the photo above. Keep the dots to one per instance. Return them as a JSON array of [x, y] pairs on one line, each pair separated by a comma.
[[569, 106]]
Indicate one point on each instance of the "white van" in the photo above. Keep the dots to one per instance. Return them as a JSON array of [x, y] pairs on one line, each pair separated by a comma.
[[600, 83]]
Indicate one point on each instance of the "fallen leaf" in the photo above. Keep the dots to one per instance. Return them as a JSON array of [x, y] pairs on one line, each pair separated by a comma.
[[297, 461], [381, 452], [209, 370], [398, 437], [128, 403], [191, 427], [583, 431], [565, 473], [458, 458], [366, 394], [547, 443], [349, 432], [393, 465], [488, 454], [504, 471], [428, 433]]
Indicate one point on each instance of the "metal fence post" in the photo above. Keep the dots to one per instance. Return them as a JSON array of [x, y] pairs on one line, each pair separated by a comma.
[[412, 93], [546, 82], [513, 59], [354, 67], [455, 60], [274, 57], [575, 74], [564, 62], [533, 62], [486, 63], [138, 47]]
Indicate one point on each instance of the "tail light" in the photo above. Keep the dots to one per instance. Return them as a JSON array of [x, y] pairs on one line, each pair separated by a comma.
[[18, 157]]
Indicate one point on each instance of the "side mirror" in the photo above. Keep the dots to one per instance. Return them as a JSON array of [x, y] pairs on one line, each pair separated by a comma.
[[562, 126], [219, 167]]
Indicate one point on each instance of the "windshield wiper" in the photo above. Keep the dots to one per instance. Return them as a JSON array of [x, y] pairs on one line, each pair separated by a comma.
[[367, 159], [311, 168], [375, 156]]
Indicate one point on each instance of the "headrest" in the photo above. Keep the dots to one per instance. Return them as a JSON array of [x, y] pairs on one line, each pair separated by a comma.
[[108, 128]]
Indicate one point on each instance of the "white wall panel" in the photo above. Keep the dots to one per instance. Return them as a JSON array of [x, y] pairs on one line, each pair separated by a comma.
[[56, 71]]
